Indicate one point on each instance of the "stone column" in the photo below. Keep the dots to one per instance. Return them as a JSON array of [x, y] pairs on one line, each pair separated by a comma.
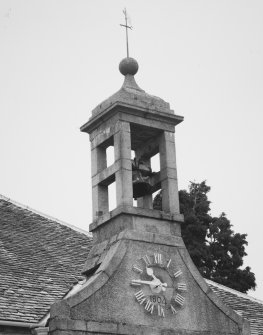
[[170, 198], [100, 203], [123, 177]]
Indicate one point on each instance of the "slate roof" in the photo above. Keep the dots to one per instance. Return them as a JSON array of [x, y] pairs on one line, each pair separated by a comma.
[[245, 305], [40, 261]]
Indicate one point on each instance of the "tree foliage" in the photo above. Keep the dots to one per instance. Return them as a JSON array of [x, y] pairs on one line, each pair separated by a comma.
[[213, 246]]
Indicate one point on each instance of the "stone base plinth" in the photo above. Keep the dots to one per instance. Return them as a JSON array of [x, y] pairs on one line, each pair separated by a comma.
[[142, 281]]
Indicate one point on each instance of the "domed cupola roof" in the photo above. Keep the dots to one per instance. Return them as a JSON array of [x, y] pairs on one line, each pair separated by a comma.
[[132, 100], [131, 94]]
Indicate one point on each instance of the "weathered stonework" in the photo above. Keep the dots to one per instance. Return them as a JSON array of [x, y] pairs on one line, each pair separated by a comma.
[[140, 277], [107, 303]]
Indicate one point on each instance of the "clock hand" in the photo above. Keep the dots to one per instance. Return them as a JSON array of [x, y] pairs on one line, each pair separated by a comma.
[[155, 282], [150, 273], [152, 282]]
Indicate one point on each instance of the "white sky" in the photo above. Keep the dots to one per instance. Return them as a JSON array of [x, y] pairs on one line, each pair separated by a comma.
[[59, 59]]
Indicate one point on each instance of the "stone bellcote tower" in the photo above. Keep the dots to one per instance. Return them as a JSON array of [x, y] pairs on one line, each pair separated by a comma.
[[131, 120], [140, 279]]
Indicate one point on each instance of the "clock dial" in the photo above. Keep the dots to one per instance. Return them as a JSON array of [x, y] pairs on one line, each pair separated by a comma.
[[159, 285]]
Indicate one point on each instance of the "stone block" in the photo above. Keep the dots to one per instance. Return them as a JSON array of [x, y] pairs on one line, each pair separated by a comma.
[[245, 328], [104, 177], [151, 331], [102, 327], [151, 238], [144, 121], [67, 324], [60, 309], [169, 240], [102, 256], [125, 164], [113, 258], [98, 160], [64, 332], [151, 226], [145, 202], [125, 329], [90, 264], [40, 331], [118, 223], [98, 249], [89, 288], [78, 325], [167, 154], [124, 191], [169, 136], [103, 137], [168, 173], [136, 236], [100, 200], [122, 145], [192, 268], [113, 239], [129, 211], [104, 128], [53, 324], [175, 229], [170, 198], [122, 125]]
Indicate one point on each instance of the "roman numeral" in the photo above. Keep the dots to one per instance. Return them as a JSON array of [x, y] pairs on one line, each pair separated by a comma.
[[179, 299], [181, 287], [168, 264], [174, 311], [178, 273], [149, 306], [137, 269], [140, 297], [157, 258], [160, 311], [146, 260]]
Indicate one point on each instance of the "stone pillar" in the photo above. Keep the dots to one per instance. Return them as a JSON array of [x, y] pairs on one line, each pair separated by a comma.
[[170, 198], [100, 203], [145, 202], [123, 177]]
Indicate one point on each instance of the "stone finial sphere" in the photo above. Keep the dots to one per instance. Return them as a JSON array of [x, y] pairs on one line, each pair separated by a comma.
[[128, 66]]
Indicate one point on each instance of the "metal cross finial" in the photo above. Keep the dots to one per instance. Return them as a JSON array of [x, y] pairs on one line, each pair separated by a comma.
[[126, 26]]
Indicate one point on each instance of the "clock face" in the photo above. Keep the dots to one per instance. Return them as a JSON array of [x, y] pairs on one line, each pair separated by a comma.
[[159, 285]]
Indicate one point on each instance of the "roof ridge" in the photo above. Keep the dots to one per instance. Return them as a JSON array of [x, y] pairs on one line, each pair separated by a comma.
[[51, 218], [231, 290]]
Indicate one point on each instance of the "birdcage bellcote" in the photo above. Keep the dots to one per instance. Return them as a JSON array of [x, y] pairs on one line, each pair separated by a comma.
[[138, 127]]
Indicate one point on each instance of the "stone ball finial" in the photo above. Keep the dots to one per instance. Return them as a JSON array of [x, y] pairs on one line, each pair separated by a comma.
[[128, 66]]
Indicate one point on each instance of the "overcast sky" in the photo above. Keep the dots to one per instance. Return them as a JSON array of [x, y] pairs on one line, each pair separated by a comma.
[[59, 59]]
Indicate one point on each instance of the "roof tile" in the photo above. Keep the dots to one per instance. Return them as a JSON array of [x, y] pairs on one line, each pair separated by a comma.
[[36, 260], [246, 306]]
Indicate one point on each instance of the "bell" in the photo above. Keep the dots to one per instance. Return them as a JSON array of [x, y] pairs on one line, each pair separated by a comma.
[[141, 186], [140, 179]]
